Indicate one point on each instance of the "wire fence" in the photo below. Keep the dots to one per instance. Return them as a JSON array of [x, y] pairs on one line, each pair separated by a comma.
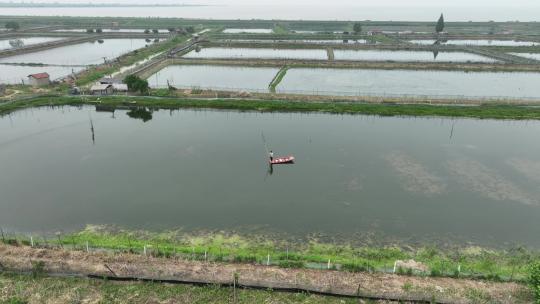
[[358, 93], [288, 257]]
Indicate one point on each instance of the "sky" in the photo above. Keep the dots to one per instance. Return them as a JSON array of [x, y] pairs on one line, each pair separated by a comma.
[[378, 3]]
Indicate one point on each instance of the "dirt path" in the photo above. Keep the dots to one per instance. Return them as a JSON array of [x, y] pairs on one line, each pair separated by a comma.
[[444, 290]]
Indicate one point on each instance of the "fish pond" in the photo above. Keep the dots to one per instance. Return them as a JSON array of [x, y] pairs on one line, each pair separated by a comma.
[[480, 42], [353, 82], [379, 55], [80, 54], [394, 178], [17, 74], [5, 44], [257, 53], [214, 77]]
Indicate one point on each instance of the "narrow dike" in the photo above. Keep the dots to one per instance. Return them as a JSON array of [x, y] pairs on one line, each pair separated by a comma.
[[277, 79]]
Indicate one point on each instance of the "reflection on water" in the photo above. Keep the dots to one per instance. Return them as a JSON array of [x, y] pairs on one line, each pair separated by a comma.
[[402, 178], [140, 113]]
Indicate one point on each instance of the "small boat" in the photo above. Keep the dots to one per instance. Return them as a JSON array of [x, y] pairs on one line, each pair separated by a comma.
[[282, 160]]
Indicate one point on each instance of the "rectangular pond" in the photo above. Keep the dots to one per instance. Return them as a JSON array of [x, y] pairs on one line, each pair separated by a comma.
[[365, 82], [5, 43], [247, 31], [17, 74], [257, 53], [80, 54], [535, 56], [480, 42], [424, 56], [214, 77], [112, 30], [310, 41], [389, 178]]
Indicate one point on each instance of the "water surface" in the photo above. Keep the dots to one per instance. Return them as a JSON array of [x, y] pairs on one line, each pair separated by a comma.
[[410, 83], [255, 53], [214, 77], [480, 42], [4, 44], [380, 55], [401, 178], [80, 54], [535, 56], [16, 74]]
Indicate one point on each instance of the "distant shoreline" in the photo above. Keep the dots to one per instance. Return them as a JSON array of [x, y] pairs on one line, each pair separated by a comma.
[[83, 5]]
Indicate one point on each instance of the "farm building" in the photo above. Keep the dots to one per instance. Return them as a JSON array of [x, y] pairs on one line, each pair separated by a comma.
[[39, 79], [102, 89]]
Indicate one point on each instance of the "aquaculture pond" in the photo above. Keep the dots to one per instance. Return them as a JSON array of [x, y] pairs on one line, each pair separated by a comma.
[[17, 74], [247, 31], [5, 43], [380, 55], [365, 82], [481, 42], [535, 56], [214, 77], [113, 30], [392, 178], [80, 54], [257, 53], [310, 41]]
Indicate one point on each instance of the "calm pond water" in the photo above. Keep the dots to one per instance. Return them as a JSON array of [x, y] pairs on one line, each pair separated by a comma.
[[247, 31], [4, 44], [312, 41], [535, 56], [214, 77], [401, 178], [79, 54], [407, 82], [480, 42], [14, 74], [252, 53], [378, 55], [112, 30]]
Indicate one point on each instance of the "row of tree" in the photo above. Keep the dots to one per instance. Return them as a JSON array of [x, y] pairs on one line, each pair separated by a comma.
[[439, 27]]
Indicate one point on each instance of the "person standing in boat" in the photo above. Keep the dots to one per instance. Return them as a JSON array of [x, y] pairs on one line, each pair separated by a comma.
[[271, 154]]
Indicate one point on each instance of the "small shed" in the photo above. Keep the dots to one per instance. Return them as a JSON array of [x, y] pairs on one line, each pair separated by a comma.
[[102, 89], [39, 79]]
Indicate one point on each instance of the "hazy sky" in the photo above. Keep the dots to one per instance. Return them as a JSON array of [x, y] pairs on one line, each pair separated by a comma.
[[431, 3]]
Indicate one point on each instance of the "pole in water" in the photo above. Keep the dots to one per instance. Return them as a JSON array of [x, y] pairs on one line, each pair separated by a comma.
[[31, 241]]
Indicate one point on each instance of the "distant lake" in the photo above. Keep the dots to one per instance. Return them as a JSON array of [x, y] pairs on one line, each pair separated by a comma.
[[292, 12]]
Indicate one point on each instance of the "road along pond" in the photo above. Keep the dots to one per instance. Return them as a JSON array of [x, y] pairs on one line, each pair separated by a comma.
[[399, 178]]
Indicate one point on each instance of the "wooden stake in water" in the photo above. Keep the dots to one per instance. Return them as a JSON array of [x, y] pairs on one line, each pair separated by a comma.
[[31, 241]]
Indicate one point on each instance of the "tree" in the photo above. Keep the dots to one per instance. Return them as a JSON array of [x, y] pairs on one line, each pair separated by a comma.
[[99, 30], [534, 280], [440, 24], [155, 31], [12, 25], [190, 29], [357, 28], [136, 84]]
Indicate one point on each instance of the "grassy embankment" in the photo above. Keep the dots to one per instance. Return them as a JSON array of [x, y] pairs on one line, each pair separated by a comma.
[[19, 289], [484, 111], [100, 71], [473, 262], [277, 79]]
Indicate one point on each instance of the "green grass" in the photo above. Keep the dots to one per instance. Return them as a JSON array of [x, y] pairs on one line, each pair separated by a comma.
[[126, 60], [18, 289], [493, 111], [477, 263], [277, 79]]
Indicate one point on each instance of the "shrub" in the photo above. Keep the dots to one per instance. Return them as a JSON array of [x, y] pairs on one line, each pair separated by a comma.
[[534, 280]]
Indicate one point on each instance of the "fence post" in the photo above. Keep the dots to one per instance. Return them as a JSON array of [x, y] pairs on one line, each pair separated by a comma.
[[395, 264], [31, 241], [144, 250], [87, 247], [268, 260], [328, 267]]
